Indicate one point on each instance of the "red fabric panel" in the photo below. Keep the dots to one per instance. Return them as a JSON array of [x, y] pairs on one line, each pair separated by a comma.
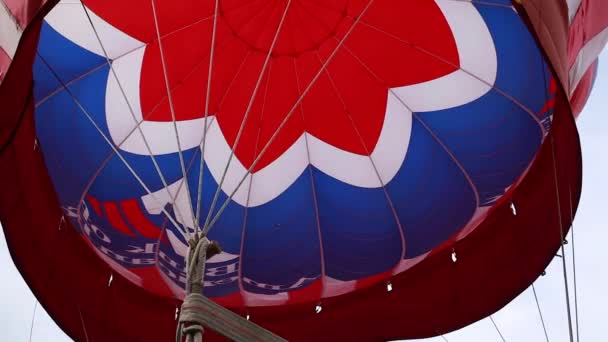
[[495, 263], [15, 86], [138, 220], [95, 205], [583, 90], [549, 20], [591, 19], [153, 280], [115, 218], [5, 62]]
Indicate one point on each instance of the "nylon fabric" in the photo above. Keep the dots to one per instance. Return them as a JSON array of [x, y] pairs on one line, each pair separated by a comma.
[[486, 261]]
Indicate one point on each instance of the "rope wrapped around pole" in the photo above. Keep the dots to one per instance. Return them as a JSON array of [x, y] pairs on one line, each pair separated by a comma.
[[197, 311], [191, 319]]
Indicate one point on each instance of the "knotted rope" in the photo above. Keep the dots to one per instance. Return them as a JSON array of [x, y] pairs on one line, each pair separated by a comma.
[[191, 318]]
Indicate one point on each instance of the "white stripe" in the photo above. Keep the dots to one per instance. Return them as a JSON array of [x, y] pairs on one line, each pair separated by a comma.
[[69, 19], [10, 32], [586, 57], [573, 6], [475, 44]]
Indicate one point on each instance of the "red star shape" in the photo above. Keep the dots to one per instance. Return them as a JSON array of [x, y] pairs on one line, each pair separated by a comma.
[[345, 107]]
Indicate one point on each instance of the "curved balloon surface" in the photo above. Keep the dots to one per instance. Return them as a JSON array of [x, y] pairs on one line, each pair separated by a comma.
[[329, 146], [373, 134]]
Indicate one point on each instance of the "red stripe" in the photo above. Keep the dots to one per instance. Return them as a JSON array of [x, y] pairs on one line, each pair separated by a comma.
[[552, 86], [137, 219], [95, 204], [590, 20], [152, 279], [306, 294], [115, 218], [234, 300], [549, 105], [5, 62], [583, 90], [373, 280]]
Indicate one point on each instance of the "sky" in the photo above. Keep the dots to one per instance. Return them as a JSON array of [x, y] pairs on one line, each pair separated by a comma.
[[518, 321]]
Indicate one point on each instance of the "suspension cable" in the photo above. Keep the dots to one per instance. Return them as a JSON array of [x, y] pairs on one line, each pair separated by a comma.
[[207, 100], [286, 118], [172, 110], [561, 230], [540, 313], [245, 116], [33, 318], [113, 147], [497, 329], [574, 265], [132, 112]]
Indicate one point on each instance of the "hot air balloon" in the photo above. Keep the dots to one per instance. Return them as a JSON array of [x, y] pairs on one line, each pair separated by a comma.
[[369, 170]]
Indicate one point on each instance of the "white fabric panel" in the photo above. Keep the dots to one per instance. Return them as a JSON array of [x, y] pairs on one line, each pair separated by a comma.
[[573, 6], [392, 146], [156, 201], [10, 32], [217, 152], [159, 135], [69, 19], [474, 79], [586, 57], [348, 167], [271, 181]]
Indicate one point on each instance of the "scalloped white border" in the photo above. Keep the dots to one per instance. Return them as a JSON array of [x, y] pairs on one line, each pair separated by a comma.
[[474, 43]]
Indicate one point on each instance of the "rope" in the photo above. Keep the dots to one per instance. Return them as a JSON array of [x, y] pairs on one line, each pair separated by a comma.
[[33, 318], [207, 100], [191, 318], [540, 313], [111, 145], [172, 109], [561, 230], [286, 118], [574, 266], [132, 112], [497, 330], [245, 116]]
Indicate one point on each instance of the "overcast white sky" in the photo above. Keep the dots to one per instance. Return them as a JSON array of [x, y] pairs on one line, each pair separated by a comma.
[[519, 321]]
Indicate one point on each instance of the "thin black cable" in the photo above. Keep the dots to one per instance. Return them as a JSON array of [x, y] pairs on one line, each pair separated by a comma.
[[540, 313], [574, 266], [33, 318], [109, 142], [497, 329], [135, 119], [561, 230]]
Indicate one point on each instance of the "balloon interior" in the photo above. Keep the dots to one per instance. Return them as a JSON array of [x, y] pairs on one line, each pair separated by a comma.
[[340, 155]]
